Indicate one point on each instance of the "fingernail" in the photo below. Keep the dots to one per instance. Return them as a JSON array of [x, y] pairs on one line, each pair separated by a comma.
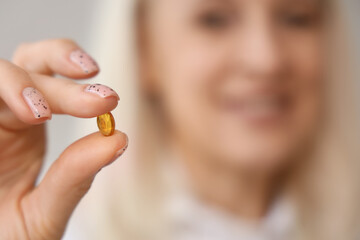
[[102, 90], [36, 102], [120, 151], [84, 61]]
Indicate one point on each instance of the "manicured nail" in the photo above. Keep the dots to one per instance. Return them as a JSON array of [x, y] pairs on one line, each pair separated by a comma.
[[120, 151], [83, 60], [102, 90], [36, 102]]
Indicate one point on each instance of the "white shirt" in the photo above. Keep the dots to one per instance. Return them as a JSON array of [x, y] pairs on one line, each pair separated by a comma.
[[190, 219]]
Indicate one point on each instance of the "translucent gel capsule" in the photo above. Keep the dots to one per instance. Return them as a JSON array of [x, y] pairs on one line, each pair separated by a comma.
[[106, 124]]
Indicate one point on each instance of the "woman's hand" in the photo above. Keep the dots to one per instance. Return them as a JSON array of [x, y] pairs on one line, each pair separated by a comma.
[[29, 95]]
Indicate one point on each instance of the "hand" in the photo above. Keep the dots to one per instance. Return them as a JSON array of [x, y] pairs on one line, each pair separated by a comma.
[[29, 95]]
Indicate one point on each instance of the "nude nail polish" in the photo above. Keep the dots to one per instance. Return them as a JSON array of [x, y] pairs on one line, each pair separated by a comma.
[[120, 151], [101, 90], [37, 103], [83, 60]]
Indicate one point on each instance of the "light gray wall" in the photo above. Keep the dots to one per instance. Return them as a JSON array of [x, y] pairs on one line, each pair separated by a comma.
[[33, 20]]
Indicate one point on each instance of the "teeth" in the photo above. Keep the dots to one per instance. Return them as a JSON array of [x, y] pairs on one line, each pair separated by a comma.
[[265, 106]]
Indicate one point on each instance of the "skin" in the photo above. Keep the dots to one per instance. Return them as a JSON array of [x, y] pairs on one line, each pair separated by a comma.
[[206, 70], [208, 63], [26, 211]]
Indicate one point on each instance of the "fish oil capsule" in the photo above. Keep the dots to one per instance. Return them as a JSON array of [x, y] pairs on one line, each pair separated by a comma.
[[106, 124]]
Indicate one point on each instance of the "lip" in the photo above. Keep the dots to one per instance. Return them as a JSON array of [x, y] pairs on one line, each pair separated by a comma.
[[258, 109]]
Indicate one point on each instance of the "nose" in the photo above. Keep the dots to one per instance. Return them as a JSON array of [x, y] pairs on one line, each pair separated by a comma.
[[259, 53]]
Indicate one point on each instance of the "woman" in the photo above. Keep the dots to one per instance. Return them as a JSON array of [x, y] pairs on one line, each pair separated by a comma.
[[243, 132]]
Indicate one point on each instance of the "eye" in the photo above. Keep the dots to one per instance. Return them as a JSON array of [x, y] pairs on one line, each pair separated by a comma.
[[215, 20], [297, 20]]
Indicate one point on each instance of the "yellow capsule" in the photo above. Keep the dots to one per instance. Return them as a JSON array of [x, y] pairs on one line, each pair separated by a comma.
[[106, 124]]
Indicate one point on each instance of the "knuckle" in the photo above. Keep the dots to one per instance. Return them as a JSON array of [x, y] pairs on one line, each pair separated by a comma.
[[61, 42], [30, 46], [20, 49], [12, 71], [17, 72], [23, 46]]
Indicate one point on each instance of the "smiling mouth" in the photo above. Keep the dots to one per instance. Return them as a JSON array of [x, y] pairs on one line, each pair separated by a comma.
[[259, 109]]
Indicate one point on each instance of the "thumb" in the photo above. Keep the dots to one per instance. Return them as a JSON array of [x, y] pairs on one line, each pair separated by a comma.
[[48, 207]]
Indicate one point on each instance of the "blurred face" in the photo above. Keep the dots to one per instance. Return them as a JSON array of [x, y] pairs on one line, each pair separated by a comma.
[[238, 80]]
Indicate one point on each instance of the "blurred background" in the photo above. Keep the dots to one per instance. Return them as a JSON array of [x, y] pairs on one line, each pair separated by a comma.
[[28, 21]]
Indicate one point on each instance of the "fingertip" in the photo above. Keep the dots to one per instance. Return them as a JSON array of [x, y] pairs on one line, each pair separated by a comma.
[[96, 149], [83, 63], [101, 90], [116, 141], [89, 107], [37, 121], [121, 150], [116, 144], [37, 104]]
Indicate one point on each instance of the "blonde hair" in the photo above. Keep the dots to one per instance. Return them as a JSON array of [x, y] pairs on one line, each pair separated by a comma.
[[329, 189]]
